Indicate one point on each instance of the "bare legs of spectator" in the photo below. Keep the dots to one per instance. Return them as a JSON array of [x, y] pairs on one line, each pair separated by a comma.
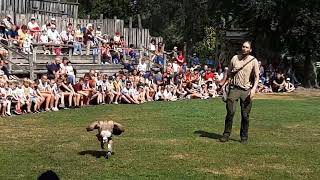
[[117, 96], [4, 108], [29, 103], [70, 97], [88, 47], [76, 99], [85, 97], [56, 101], [49, 100], [77, 48], [125, 99], [8, 107]]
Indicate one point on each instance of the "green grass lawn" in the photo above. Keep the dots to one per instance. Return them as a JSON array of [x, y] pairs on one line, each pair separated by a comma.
[[166, 140]]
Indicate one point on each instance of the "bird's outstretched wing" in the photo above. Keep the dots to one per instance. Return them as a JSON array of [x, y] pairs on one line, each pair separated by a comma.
[[92, 126], [118, 129]]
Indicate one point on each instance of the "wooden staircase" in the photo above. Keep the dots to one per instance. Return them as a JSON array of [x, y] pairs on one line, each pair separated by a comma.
[[34, 65]]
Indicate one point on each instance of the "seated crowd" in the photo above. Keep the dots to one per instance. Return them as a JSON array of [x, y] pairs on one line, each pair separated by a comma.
[[152, 79], [58, 89], [75, 38], [275, 80]]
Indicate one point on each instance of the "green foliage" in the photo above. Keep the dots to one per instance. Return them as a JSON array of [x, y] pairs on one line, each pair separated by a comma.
[[274, 25], [206, 47]]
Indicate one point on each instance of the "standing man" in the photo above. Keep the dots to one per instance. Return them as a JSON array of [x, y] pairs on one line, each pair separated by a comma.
[[242, 69]]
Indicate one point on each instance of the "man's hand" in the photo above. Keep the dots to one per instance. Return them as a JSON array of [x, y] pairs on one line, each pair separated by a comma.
[[252, 93]]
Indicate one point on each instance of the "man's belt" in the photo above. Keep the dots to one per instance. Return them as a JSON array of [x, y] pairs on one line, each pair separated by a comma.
[[231, 86]]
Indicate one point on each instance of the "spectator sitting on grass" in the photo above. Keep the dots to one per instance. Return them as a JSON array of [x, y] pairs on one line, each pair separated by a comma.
[[278, 84], [289, 87]]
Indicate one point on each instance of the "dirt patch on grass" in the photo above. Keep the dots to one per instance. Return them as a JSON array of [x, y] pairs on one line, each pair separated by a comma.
[[300, 93], [181, 156], [229, 171]]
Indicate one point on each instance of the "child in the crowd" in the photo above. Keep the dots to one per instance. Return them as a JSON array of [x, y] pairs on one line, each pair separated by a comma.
[[117, 84], [45, 39], [289, 87], [160, 94], [169, 94], [181, 92], [18, 97], [65, 91], [97, 91], [27, 42], [3, 99], [36, 97], [78, 88], [45, 91], [70, 73], [212, 89], [141, 94], [57, 94], [9, 97], [27, 94], [192, 93], [111, 94]]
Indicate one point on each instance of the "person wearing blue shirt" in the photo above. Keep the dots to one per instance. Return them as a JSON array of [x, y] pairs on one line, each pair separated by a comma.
[[195, 60], [210, 61]]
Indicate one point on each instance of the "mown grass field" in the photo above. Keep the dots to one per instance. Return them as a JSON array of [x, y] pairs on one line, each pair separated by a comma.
[[166, 140]]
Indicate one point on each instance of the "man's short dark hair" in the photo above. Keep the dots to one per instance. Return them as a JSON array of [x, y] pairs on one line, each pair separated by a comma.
[[249, 42]]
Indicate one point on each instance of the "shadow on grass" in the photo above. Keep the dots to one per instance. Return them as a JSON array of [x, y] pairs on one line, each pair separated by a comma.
[[48, 175], [211, 135], [97, 154]]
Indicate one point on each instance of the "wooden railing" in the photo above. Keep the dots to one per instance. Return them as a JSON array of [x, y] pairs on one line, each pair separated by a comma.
[[49, 7]]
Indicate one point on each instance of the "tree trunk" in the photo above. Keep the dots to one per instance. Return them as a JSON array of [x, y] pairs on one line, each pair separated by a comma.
[[310, 73], [139, 21]]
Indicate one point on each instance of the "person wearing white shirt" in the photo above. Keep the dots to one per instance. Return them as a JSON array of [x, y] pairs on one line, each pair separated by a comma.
[[160, 94], [70, 73], [127, 93], [175, 67], [53, 34], [142, 67]]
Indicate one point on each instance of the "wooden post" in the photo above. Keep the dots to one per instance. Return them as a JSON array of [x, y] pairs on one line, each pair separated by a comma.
[[164, 62], [10, 57], [130, 22], [164, 58], [130, 31], [139, 21], [31, 61], [141, 56], [101, 24], [115, 23], [99, 53], [70, 52], [185, 53]]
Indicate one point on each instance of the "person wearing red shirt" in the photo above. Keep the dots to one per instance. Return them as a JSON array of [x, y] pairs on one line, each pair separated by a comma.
[[209, 74], [180, 58]]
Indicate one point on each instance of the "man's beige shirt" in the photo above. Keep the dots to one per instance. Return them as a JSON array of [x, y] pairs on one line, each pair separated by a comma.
[[242, 78]]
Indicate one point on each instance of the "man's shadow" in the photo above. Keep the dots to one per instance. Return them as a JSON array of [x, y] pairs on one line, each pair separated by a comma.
[[97, 154], [48, 175], [210, 135]]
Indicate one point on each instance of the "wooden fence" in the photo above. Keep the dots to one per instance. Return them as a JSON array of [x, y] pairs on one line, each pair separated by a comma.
[[49, 7], [24, 9], [140, 38]]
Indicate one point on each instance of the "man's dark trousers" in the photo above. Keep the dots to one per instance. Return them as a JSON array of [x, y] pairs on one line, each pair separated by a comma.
[[234, 95]]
